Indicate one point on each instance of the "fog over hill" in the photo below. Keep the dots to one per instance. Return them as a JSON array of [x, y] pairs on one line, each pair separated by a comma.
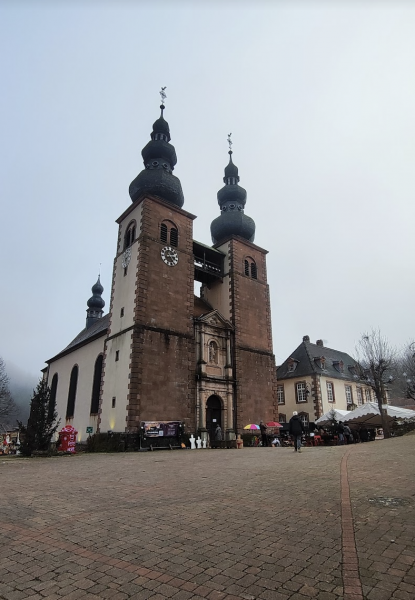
[[21, 386]]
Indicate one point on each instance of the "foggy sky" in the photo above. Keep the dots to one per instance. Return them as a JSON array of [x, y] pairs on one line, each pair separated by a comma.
[[319, 98]]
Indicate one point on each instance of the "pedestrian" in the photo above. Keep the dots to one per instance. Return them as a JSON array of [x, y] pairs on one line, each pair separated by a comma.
[[296, 429], [348, 434], [340, 433], [264, 437], [218, 433]]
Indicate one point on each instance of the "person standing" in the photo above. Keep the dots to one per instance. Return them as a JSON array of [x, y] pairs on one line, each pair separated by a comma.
[[264, 437], [296, 429], [218, 433]]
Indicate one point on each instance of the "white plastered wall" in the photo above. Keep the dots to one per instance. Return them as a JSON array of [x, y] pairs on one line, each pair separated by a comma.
[[116, 380], [125, 285], [85, 358]]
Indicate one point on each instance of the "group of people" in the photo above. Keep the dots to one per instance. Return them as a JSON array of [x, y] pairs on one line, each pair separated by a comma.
[[340, 432]]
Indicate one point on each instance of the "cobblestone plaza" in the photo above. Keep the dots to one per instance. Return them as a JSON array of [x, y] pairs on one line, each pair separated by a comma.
[[258, 523]]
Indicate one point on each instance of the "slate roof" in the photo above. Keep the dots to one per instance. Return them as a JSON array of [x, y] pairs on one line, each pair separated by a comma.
[[305, 354], [96, 330]]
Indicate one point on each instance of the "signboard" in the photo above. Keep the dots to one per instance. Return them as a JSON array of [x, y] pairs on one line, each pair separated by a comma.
[[161, 428], [90, 430]]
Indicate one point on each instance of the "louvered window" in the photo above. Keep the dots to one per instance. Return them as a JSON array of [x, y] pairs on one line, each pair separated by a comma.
[[163, 233], [174, 237], [253, 271], [247, 268]]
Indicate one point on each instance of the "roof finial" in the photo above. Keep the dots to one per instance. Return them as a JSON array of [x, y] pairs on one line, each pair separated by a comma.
[[163, 96], [230, 142]]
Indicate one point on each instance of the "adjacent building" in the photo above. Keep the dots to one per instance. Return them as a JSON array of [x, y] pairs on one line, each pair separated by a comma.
[[315, 379]]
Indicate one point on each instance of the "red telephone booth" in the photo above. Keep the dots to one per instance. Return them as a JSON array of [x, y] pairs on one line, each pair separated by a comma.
[[67, 439]]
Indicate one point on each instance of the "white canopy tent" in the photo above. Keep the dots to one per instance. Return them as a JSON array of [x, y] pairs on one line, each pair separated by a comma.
[[333, 414], [369, 414]]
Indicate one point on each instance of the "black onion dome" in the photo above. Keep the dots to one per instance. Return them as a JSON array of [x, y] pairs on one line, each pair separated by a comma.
[[159, 158], [232, 223], [232, 200], [96, 301]]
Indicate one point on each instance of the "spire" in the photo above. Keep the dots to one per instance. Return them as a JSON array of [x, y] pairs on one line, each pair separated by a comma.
[[95, 304], [159, 158], [232, 200]]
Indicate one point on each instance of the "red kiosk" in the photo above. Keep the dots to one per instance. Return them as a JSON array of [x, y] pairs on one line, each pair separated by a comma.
[[67, 439]]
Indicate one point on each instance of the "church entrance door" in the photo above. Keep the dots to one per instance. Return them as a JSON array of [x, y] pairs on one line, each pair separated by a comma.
[[214, 416]]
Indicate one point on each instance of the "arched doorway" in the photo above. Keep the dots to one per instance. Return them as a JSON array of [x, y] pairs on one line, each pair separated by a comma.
[[213, 415]]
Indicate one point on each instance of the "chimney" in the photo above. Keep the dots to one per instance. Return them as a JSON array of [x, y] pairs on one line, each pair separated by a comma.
[[319, 343], [306, 338]]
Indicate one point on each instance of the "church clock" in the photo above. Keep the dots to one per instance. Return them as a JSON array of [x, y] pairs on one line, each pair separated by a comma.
[[169, 256]]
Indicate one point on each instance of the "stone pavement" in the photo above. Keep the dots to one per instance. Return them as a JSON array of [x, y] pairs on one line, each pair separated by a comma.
[[259, 523]]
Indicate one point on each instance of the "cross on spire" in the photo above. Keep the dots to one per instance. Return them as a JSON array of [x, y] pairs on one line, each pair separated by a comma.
[[230, 143]]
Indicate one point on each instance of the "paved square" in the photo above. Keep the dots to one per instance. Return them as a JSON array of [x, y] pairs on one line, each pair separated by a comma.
[[264, 523]]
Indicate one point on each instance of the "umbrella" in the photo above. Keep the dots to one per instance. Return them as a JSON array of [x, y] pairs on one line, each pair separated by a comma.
[[251, 426], [273, 424], [333, 414]]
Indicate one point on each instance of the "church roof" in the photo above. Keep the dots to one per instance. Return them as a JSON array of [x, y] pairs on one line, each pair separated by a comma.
[[98, 329], [307, 360]]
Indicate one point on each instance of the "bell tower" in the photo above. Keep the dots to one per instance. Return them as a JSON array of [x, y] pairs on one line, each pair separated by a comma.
[[243, 298], [149, 350]]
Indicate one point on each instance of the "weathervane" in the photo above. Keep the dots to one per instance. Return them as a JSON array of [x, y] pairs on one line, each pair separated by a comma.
[[163, 94], [230, 143]]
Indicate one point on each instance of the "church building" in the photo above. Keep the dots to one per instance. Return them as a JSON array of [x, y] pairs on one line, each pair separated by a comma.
[[162, 353]]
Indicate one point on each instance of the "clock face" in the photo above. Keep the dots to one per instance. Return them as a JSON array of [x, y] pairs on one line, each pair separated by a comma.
[[169, 256], [126, 257]]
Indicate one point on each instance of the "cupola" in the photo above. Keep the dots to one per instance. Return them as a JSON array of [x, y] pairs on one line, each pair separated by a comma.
[[232, 200], [159, 158], [95, 304]]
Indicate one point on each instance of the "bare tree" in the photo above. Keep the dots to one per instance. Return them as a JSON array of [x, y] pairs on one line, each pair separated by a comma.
[[376, 367], [8, 407], [407, 371]]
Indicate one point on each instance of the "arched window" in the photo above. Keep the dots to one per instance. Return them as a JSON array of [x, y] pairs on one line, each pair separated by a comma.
[[73, 382], [169, 233], [129, 235], [96, 385], [250, 268], [52, 397]]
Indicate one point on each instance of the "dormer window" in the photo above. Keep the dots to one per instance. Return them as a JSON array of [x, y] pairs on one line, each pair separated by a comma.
[[320, 362], [338, 365], [292, 365]]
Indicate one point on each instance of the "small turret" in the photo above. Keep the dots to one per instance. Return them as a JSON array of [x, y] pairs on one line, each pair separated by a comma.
[[95, 304]]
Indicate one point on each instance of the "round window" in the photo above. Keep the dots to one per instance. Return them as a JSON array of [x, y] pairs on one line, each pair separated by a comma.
[[155, 163]]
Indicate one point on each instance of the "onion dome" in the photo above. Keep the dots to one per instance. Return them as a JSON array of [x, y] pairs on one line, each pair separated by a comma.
[[232, 200], [95, 304], [159, 158]]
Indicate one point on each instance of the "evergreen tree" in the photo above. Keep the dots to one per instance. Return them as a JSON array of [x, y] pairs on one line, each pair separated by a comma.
[[42, 423], [8, 409]]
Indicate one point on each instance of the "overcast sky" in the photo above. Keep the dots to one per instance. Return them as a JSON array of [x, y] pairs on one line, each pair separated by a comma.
[[320, 100]]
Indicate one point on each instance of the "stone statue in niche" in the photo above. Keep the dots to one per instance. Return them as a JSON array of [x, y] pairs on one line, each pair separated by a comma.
[[213, 352]]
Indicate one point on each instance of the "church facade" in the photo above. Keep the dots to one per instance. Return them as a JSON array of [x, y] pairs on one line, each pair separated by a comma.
[[162, 353]]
